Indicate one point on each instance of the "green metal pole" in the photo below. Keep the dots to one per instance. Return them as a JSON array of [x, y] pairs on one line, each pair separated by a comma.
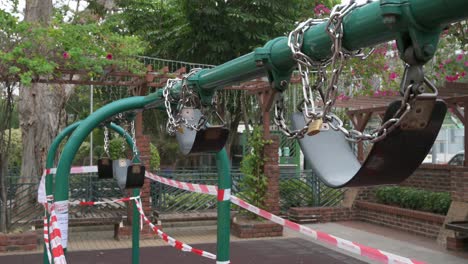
[[224, 208], [135, 231], [80, 134], [53, 151], [49, 181]]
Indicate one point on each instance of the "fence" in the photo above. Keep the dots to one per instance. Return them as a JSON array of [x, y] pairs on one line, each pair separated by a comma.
[[297, 189], [23, 209]]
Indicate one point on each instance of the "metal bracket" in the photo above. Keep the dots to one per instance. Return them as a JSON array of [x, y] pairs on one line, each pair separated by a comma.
[[278, 78], [416, 44]]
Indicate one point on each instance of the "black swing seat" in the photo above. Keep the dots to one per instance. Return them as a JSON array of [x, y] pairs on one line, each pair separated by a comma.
[[104, 167], [390, 161], [207, 139]]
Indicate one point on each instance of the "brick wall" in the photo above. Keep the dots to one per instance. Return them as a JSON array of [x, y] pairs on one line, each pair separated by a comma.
[[459, 185], [13, 242], [421, 223], [321, 214], [430, 177], [253, 229]]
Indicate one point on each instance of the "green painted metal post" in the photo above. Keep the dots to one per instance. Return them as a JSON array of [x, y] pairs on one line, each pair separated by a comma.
[[49, 181], [135, 231], [53, 151], [224, 208]]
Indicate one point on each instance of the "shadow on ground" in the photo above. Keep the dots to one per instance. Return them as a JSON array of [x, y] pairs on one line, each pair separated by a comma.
[[279, 251]]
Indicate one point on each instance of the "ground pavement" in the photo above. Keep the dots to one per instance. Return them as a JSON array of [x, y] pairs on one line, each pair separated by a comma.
[[99, 247]]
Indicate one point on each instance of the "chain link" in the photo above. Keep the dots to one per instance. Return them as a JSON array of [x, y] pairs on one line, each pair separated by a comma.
[[334, 29], [188, 99], [132, 130], [106, 141]]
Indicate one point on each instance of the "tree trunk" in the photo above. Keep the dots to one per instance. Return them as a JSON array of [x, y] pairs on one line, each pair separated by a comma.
[[41, 111], [38, 11], [3, 195]]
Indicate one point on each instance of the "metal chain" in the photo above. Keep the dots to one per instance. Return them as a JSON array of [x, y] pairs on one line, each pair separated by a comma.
[[187, 99], [132, 129], [172, 123], [334, 29], [106, 141], [281, 122]]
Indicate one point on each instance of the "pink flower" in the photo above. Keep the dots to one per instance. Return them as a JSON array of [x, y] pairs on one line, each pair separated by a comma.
[[466, 63], [441, 66], [463, 74], [66, 55], [386, 67], [393, 76], [321, 9], [109, 56], [460, 57], [447, 61], [394, 45], [451, 78]]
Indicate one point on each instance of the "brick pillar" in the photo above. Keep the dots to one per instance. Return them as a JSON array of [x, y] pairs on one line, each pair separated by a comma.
[[458, 209], [271, 170], [459, 185], [143, 143]]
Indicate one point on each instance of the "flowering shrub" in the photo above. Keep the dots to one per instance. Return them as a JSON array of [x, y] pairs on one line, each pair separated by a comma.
[[28, 51]]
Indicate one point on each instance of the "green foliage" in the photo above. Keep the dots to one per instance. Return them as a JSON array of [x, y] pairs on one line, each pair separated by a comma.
[[155, 159], [117, 148], [83, 153], [28, 51], [254, 182], [208, 31], [16, 148], [411, 198]]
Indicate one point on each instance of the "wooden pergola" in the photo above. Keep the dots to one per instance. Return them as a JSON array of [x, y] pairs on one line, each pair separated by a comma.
[[361, 108]]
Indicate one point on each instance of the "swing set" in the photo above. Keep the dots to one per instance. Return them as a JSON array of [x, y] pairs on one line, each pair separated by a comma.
[[408, 130]]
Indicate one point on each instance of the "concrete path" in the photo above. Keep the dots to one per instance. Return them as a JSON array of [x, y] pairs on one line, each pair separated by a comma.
[[391, 240], [293, 247]]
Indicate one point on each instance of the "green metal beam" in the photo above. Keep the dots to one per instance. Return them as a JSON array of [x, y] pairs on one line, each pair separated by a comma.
[[52, 152], [413, 22]]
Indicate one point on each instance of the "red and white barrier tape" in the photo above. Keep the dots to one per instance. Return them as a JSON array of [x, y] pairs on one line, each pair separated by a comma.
[[192, 187], [56, 239], [356, 248], [46, 238], [92, 203], [171, 241], [74, 170]]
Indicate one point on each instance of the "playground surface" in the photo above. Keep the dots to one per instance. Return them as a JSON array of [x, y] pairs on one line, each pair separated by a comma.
[[99, 247]]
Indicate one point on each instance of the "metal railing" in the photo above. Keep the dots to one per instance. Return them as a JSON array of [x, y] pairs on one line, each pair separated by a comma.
[[23, 208], [297, 189], [158, 64]]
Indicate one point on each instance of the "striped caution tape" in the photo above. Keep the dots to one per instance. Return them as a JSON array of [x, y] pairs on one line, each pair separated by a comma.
[[171, 241], [73, 170], [92, 203], [46, 238], [198, 188], [56, 239], [356, 248]]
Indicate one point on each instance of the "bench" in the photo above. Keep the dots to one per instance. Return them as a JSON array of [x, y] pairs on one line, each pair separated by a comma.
[[460, 241], [92, 219]]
